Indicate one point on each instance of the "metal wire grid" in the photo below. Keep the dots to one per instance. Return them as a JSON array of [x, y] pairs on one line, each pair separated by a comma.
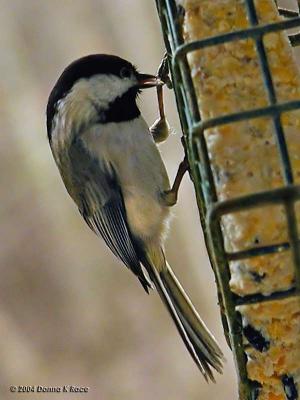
[[212, 210]]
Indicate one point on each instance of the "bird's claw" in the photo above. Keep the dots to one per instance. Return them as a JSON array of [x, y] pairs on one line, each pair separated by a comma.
[[163, 71], [169, 197]]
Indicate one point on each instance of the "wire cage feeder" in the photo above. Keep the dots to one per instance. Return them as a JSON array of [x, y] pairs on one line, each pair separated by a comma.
[[212, 210]]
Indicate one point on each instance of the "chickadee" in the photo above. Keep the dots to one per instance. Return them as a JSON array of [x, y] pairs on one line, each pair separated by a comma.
[[112, 169]]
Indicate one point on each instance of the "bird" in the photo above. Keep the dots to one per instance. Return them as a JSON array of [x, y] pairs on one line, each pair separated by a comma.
[[113, 170]]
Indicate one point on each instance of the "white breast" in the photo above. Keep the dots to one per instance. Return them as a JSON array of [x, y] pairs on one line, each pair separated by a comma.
[[129, 147]]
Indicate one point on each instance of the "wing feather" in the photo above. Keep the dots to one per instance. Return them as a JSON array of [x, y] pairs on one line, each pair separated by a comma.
[[101, 204]]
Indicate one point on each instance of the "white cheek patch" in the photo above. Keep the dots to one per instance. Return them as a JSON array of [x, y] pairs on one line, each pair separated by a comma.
[[83, 104], [101, 90]]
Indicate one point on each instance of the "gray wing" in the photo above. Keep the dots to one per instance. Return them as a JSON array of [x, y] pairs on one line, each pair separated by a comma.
[[100, 201]]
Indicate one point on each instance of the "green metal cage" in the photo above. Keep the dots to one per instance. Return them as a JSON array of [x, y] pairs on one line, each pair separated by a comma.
[[211, 210]]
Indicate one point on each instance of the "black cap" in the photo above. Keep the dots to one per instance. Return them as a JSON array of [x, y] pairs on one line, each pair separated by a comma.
[[85, 67]]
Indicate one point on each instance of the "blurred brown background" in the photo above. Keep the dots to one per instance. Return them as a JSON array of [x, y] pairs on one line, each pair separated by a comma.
[[70, 313]]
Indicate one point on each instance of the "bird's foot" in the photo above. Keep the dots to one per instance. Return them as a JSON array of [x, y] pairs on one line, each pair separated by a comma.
[[170, 197], [163, 71]]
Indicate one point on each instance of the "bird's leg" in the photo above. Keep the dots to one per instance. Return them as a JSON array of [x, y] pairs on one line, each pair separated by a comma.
[[160, 100], [160, 130], [163, 71], [163, 74], [170, 196]]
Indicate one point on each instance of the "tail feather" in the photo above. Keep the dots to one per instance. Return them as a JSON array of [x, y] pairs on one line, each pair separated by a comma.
[[199, 341], [193, 319]]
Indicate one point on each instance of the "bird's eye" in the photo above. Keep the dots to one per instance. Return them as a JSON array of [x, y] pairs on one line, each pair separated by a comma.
[[125, 72]]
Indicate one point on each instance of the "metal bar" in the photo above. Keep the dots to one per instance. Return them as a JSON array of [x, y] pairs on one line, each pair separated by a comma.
[[252, 33], [189, 115], [259, 199], [210, 209], [268, 111], [205, 171], [287, 13], [295, 39], [259, 298], [233, 319], [269, 86], [293, 238], [258, 251]]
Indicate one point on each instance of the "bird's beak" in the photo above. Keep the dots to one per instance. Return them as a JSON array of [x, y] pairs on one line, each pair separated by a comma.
[[148, 81]]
